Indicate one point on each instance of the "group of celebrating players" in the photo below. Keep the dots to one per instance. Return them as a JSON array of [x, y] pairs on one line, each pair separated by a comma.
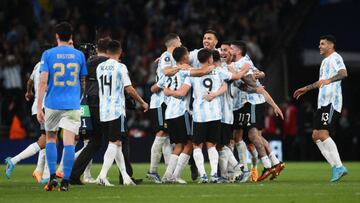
[[208, 96]]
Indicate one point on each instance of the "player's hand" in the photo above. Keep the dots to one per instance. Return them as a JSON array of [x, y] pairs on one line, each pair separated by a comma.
[[167, 91], [29, 95], [258, 74], [209, 96], [299, 92], [145, 106], [278, 112], [154, 88], [322, 83], [157, 60], [40, 116]]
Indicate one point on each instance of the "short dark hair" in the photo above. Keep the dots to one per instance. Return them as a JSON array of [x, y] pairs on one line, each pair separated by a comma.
[[216, 55], [204, 54], [64, 30], [212, 32], [179, 53], [169, 37], [241, 45], [114, 46], [102, 44], [330, 38], [226, 43]]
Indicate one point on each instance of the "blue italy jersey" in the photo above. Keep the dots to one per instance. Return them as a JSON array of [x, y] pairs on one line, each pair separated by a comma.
[[65, 66]]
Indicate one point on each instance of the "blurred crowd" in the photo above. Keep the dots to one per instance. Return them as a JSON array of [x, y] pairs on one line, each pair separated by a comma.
[[27, 25]]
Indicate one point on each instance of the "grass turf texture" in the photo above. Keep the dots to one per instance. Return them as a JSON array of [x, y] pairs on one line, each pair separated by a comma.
[[299, 182]]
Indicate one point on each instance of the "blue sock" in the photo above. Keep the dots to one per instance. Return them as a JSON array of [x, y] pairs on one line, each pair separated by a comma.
[[51, 156], [69, 157]]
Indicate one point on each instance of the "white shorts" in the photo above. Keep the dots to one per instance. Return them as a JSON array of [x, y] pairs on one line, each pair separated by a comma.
[[66, 119]]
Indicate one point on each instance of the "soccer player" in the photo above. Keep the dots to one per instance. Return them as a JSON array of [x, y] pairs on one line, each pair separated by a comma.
[[113, 79], [35, 147], [210, 40], [206, 115], [332, 71], [61, 70], [161, 144]]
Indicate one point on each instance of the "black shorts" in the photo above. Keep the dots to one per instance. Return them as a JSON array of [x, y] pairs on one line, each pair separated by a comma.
[[158, 118], [207, 132], [237, 125], [253, 116], [326, 118], [179, 129], [39, 127], [226, 133], [116, 129]]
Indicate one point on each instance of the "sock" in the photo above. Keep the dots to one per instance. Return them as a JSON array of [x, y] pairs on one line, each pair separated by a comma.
[[241, 147], [120, 162], [41, 161], [330, 145], [109, 157], [232, 162], [273, 158], [254, 157], [199, 161], [60, 167], [79, 151], [223, 162], [171, 166], [26, 153], [156, 153], [69, 158], [46, 173], [325, 152], [87, 172], [266, 161], [51, 157], [181, 163], [214, 160], [167, 150]]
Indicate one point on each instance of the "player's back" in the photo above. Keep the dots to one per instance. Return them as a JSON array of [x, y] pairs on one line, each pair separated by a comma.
[[65, 66]]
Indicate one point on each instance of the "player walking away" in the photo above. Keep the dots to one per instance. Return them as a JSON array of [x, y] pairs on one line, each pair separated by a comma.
[[113, 79], [161, 144], [332, 71], [35, 147], [206, 115], [61, 70]]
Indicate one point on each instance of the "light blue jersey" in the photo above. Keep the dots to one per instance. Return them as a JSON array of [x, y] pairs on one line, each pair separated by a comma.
[[331, 93], [227, 102], [176, 107], [193, 59], [112, 78], [204, 111], [65, 66], [166, 60]]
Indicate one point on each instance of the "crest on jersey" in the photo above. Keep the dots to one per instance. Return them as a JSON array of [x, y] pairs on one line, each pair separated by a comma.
[[167, 59]]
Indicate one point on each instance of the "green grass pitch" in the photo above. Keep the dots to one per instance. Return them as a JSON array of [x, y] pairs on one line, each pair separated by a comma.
[[299, 182]]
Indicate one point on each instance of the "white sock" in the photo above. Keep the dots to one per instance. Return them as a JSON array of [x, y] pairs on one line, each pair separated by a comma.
[[171, 166], [181, 163], [273, 158], [223, 162], [330, 145], [120, 162], [241, 148], [232, 162], [254, 157], [46, 173], [266, 161], [199, 161], [109, 157], [214, 160], [60, 167], [31, 150], [325, 152], [41, 161], [156, 149], [87, 172], [82, 148], [167, 150]]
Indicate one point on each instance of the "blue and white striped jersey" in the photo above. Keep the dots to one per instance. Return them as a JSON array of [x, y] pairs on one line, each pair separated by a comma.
[[227, 102], [331, 93], [112, 78], [166, 60], [204, 111], [35, 76], [193, 59], [177, 106]]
